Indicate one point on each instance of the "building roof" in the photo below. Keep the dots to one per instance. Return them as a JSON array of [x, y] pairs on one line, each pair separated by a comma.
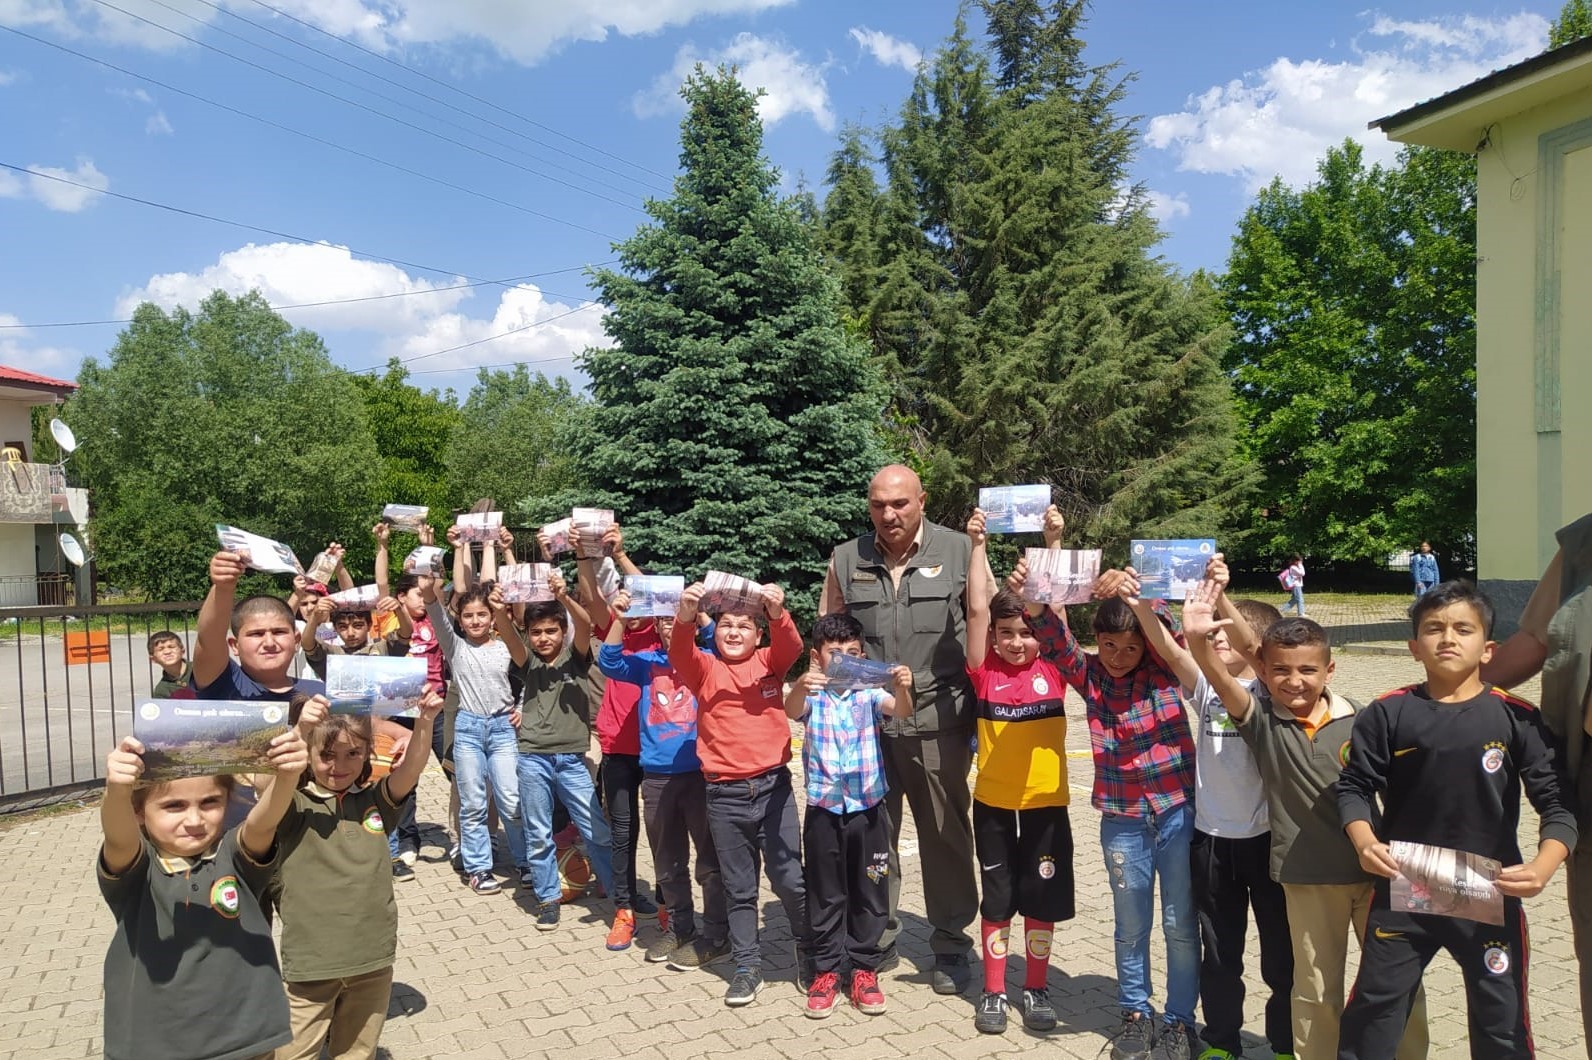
[[21, 379], [1457, 119]]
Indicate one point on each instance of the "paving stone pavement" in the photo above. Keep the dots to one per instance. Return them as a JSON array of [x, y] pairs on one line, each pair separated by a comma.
[[474, 979]]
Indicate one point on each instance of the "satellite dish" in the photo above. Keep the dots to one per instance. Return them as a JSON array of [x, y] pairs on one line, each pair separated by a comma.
[[63, 436], [72, 550]]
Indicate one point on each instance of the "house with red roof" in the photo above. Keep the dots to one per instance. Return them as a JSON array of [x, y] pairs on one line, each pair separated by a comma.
[[36, 504]]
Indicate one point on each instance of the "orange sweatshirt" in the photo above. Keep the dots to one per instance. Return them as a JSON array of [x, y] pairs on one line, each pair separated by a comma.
[[742, 729]]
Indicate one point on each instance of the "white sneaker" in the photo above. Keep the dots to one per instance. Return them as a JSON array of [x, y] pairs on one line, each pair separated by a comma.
[[409, 857]]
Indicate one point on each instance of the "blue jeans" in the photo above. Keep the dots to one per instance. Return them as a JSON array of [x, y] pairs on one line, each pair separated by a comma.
[[1298, 600], [485, 750], [1137, 849], [566, 776]]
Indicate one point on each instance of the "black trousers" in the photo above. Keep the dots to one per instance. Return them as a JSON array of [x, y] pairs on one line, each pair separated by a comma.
[[621, 785], [1232, 877], [1395, 952], [929, 772], [847, 863], [675, 809]]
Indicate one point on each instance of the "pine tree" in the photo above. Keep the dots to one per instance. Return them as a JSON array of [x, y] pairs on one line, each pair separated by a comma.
[[736, 423]]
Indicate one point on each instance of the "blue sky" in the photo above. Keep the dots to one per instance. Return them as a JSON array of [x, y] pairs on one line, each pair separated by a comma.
[[517, 139]]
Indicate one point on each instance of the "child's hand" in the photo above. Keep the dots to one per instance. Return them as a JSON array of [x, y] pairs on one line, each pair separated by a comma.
[[431, 705], [614, 541], [387, 605], [428, 588], [1110, 584], [426, 533], [1377, 859], [320, 612], [556, 583], [975, 528], [495, 601], [1216, 571], [505, 539], [1199, 611], [382, 532], [289, 755], [1129, 587], [773, 600], [901, 677], [452, 536], [125, 764], [316, 710], [1524, 881], [227, 567], [620, 603], [811, 681], [1054, 525], [545, 543], [690, 602], [575, 539], [301, 584], [335, 550], [1018, 577]]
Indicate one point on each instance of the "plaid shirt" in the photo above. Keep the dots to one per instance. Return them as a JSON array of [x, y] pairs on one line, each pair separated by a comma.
[[1143, 748], [840, 753]]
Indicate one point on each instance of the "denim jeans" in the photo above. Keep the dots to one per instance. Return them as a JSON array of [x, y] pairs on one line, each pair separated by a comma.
[[1297, 600], [1137, 849], [566, 776], [752, 821], [485, 751]]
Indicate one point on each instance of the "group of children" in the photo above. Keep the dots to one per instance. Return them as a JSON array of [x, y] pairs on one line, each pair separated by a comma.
[[1224, 766]]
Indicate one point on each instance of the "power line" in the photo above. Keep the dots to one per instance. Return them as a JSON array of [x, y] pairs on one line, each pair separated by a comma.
[[311, 136], [454, 88], [424, 95], [362, 106], [508, 281], [488, 338], [239, 224], [501, 364]]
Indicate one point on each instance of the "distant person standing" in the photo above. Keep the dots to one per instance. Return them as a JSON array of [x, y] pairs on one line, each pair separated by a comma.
[[1423, 568], [1293, 580], [906, 583], [1555, 640]]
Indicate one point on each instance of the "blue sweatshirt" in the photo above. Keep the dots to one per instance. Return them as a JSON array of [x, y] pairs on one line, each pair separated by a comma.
[[666, 712]]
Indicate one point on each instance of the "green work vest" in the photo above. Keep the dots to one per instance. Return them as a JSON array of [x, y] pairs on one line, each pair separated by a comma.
[[1567, 670], [922, 624]]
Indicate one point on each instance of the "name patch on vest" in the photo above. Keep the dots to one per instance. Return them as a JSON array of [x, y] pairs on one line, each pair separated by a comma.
[[864, 576]]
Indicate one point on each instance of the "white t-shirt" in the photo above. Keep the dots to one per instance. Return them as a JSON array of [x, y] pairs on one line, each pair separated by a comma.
[[1229, 797]]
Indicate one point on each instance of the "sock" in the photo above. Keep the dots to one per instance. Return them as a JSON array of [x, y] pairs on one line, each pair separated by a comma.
[[1037, 943], [997, 937]]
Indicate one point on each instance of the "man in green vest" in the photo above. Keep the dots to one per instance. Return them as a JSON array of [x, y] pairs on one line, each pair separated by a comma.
[[906, 584], [1555, 638]]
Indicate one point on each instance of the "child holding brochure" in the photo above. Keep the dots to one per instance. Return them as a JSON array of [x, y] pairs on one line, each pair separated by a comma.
[[1449, 758]]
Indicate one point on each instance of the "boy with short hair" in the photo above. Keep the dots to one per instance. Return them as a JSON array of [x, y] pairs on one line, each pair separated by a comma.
[[1449, 758], [1299, 732], [743, 740], [176, 676], [1231, 851], [554, 733], [260, 628], [846, 831]]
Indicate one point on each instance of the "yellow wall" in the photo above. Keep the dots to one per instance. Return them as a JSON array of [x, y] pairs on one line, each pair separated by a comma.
[[1534, 335]]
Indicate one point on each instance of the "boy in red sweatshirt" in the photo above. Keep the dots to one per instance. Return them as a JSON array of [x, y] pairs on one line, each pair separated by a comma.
[[743, 740]]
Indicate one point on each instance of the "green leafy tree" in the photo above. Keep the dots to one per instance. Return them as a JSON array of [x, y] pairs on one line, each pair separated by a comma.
[[736, 420], [225, 415], [1354, 358], [1013, 296], [507, 441], [1573, 23]]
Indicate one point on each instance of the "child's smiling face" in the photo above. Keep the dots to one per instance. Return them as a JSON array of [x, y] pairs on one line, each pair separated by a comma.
[[338, 762]]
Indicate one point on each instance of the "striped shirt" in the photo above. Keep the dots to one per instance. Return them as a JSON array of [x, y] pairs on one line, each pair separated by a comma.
[[840, 752], [1138, 728]]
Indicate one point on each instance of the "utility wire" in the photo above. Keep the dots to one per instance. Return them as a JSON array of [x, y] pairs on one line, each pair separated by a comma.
[[362, 106], [489, 338], [454, 88], [311, 136], [428, 96]]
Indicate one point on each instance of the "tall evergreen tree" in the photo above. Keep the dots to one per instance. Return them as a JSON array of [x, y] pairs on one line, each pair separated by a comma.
[[735, 423], [1016, 305]]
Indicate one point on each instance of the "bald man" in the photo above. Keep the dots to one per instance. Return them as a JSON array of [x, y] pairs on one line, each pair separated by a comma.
[[906, 583]]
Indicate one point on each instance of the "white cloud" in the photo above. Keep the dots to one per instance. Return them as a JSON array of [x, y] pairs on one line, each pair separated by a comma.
[[790, 85], [8, 77], [19, 348], [55, 195], [522, 30], [158, 124], [1279, 121], [887, 50], [423, 322], [1166, 208]]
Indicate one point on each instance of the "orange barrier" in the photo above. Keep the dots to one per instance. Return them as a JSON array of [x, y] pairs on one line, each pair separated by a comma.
[[90, 646]]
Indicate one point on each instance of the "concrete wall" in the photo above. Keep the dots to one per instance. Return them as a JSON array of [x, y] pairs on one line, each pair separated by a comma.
[[16, 425], [1534, 337]]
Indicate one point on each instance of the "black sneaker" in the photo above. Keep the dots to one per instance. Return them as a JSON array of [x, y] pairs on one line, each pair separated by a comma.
[[951, 973], [1133, 1038], [546, 916], [1038, 1015], [401, 873], [456, 859], [889, 959], [663, 947], [527, 878], [1177, 1042], [644, 908], [484, 883], [990, 1017], [698, 953], [744, 987]]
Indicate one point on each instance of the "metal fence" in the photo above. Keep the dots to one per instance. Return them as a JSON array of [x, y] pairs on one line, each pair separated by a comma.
[[70, 678]]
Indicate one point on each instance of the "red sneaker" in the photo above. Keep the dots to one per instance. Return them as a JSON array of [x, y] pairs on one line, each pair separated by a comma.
[[623, 931], [823, 994], [865, 993]]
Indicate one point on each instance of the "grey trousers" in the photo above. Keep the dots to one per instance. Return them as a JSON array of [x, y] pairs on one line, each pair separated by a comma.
[[929, 771]]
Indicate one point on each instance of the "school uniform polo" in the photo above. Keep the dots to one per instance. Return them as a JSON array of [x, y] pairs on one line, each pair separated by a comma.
[[1301, 767], [191, 971], [339, 918]]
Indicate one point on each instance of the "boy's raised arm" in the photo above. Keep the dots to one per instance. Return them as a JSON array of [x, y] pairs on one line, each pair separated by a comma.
[[382, 532], [1157, 637], [503, 622], [289, 756], [979, 592], [614, 541], [1199, 622], [210, 654], [689, 661], [580, 618], [784, 639], [463, 561]]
